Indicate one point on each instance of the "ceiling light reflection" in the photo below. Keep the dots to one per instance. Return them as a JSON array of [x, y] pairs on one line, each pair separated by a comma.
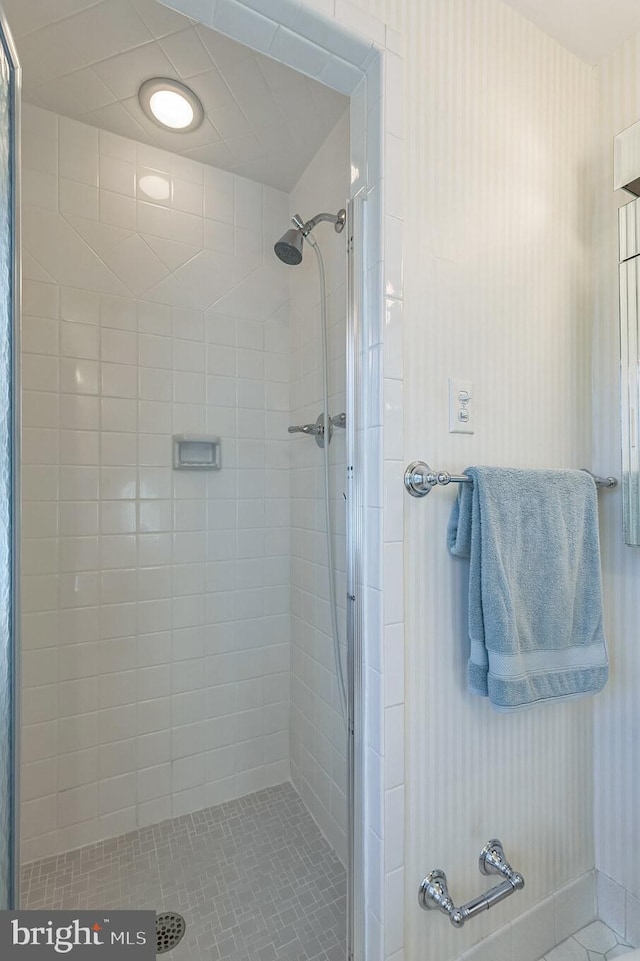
[[155, 186]]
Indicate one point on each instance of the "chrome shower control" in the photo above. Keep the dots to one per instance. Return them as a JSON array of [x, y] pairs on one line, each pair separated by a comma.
[[304, 429], [314, 430]]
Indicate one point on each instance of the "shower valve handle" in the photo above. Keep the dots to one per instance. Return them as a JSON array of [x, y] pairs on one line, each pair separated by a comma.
[[314, 430], [306, 429]]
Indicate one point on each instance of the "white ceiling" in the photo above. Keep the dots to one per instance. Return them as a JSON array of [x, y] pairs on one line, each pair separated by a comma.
[[86, 59], [592, 29]]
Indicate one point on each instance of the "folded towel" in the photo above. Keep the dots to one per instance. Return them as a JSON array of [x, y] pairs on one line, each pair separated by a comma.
[[535, 591]]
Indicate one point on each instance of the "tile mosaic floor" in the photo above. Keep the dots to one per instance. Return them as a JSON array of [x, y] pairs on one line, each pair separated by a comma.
[[254, 879], [596, 942]]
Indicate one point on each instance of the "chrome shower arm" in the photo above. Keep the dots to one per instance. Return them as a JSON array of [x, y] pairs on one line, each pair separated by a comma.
[[338, 220]]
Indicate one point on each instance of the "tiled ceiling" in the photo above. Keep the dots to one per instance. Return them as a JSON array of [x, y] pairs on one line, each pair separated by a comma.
[[86, 59]]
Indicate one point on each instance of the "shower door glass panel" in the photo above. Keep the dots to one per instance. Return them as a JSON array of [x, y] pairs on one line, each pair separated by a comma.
[[7, 247]]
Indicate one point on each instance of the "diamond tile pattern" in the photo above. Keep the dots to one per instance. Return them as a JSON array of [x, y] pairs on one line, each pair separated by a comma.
[[596, 942], [86, 60], [254, 879]]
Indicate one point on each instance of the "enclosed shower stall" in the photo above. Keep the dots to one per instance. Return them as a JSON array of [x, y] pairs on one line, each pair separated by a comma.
[[184, 696], [233, 648]]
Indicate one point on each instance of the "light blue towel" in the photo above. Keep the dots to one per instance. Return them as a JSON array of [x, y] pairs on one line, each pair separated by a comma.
[[535, 591]]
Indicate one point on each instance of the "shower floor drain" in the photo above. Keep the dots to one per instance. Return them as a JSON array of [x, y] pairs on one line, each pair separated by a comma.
[[170, 929]]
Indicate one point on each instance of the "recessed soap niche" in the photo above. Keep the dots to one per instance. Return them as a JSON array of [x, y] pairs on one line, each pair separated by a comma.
[[196, 452]]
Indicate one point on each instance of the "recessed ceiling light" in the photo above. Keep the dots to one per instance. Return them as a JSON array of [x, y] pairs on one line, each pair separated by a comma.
[[171, 104]]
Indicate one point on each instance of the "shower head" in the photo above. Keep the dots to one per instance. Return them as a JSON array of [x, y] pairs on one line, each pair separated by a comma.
[[289, 248]]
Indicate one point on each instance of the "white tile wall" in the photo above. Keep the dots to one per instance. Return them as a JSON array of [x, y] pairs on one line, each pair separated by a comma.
[[318, 732], [611, 901], [156, 603], [349, 30]]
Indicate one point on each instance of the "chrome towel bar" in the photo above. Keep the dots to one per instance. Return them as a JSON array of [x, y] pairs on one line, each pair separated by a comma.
[[434, 893], [420, 479]]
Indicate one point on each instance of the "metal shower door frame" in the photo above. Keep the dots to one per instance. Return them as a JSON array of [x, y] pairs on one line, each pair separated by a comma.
[[15, 155], [355, 592]]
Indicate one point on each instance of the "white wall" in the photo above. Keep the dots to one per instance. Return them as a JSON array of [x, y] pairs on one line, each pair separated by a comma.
[[617, 719], [318, 731], [156, 603], [498, 290]]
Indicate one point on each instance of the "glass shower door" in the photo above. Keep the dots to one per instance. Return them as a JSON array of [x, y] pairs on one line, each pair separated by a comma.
[[9, 287]]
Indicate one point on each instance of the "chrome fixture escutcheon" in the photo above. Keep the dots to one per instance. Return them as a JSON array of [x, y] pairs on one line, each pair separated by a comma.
[[492, 860], [420, 479], [434, 893]]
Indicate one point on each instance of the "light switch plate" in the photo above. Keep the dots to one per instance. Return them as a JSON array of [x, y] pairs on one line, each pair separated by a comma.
[[461, 418]]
